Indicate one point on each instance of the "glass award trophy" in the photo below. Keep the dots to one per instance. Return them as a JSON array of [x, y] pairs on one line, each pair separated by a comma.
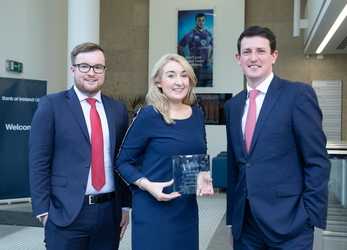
[[186, 169]]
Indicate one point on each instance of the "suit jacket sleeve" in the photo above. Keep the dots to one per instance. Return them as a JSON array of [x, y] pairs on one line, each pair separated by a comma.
[[232, 170], [41, 141], [311, 140]]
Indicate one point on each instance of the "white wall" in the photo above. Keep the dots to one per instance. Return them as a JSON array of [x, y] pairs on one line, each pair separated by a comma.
[[34, 32], [229, 24]]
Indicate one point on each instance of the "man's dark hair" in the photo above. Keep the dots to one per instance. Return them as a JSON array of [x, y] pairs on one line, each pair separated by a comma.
[[258, 31], [85, 47], [200, 15]]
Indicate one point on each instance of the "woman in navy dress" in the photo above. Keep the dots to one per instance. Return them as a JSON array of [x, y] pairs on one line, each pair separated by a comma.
[[161, 218]]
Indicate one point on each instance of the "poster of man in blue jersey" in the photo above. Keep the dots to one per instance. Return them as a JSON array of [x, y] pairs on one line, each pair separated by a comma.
[[196, 44]]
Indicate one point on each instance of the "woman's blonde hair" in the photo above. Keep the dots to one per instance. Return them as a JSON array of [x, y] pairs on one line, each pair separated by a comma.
[[155, 94]]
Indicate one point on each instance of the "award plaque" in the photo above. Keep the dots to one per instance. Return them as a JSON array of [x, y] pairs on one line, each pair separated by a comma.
[[185, 170]]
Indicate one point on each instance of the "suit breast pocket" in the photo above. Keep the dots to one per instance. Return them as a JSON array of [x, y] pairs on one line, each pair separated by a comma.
[[275, 127], [58, 181], [275, 121]]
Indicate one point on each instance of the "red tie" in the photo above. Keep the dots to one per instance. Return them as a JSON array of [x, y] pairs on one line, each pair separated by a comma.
[[251, 118], [98, 169]]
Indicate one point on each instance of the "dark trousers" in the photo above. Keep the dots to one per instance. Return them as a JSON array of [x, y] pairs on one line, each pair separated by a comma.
[[252, 237], [95, 227]]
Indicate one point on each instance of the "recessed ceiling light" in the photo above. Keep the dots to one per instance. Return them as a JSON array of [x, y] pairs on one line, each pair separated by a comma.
[[332, 30]]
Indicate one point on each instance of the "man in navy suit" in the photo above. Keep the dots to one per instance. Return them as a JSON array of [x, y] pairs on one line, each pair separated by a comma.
[[76, 213], [277, 189]]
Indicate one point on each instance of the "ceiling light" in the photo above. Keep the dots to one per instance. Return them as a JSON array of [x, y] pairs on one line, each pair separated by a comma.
[[333, 29]]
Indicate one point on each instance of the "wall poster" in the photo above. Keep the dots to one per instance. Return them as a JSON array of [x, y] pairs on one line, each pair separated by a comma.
[[195, 42]]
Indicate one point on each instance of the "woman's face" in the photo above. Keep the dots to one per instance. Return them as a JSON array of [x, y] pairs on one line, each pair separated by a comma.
[[174, 82]]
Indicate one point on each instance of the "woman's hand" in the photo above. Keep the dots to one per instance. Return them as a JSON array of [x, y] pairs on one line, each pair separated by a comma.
[[156, 189], [205, 186]]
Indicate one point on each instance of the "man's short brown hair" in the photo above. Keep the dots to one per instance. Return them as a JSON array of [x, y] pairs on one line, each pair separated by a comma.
[[85, 47]]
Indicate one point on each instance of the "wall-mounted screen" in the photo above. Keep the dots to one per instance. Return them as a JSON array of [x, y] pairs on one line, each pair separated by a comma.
[[213, 107]]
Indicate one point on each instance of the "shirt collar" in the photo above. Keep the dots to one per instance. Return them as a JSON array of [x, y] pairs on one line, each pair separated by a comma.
[[263, 87], [81, 96]]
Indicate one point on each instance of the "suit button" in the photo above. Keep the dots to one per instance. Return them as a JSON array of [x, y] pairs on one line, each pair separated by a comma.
[[248, 164], [245, 189], [83, 187], [87, 165]]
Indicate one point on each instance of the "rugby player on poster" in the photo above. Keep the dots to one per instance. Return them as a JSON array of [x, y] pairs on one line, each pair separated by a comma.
[[200, 44]]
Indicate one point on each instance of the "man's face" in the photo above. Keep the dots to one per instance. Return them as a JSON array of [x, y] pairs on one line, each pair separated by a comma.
[[200, 22], [256, 59], [89, 83]]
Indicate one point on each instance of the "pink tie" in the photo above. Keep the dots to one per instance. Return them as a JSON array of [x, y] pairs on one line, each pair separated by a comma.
[[98, 169], [251, 118]]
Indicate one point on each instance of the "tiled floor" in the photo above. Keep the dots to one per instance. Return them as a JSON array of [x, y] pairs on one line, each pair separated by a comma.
[[211, 212], [214, 235]]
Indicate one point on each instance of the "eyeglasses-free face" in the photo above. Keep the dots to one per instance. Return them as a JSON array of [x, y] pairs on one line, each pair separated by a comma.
[[256, 59], [174, 82]]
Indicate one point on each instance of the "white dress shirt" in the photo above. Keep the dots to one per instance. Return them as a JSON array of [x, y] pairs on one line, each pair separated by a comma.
[[263, 87], [109, 170]]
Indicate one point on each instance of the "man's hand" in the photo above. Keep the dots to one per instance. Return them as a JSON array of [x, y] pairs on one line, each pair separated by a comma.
[[124, 223], [44, 219], [231, 237]]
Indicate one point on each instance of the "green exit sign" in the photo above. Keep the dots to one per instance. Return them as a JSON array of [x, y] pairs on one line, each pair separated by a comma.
[[14, 66]]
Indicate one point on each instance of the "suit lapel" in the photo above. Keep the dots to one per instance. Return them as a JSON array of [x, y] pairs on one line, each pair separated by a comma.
[[270, 100], [75, 106], [111, 121], [240, 111]]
